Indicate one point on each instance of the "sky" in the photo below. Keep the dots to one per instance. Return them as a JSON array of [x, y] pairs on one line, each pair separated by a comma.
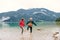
[[13, 5]]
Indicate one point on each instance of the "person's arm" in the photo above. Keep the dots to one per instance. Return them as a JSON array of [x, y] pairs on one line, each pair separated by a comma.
[[34, 23], [27, 22]]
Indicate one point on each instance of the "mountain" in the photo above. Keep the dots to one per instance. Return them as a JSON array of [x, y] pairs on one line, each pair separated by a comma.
[[37, 14]]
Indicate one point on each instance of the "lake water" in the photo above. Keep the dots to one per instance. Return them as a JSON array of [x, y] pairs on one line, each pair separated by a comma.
[[39, 24], [12, 31]]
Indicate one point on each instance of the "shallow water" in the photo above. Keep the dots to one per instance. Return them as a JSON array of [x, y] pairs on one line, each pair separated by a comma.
[[12, 31]]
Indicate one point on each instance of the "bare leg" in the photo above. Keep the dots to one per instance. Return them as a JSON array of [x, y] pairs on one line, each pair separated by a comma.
[[22, 31]]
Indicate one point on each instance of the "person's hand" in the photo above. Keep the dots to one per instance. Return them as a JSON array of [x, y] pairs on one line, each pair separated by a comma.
[[35, 25]]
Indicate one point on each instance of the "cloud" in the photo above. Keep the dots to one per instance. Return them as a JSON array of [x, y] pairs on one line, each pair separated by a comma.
[[13, 5]]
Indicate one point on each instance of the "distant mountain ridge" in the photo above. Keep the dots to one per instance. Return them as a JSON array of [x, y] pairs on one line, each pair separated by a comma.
[[37, 14]]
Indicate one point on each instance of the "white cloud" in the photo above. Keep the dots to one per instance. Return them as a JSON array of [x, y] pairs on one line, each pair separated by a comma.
[[13, 5]]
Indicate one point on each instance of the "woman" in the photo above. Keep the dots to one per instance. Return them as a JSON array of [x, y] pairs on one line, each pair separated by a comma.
[[22, 24]]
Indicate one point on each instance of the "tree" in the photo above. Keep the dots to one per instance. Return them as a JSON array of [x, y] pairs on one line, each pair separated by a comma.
[[58, 21]]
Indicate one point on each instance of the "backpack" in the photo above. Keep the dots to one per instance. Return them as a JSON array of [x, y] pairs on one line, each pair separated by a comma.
[[30, 24]]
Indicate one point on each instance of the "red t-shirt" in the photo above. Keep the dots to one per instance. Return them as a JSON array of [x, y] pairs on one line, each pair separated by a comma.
[[21, 23]]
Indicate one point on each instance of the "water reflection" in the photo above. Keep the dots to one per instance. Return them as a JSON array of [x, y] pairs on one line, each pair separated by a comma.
[[30, 38], [0, 25], [26, 37], [39, 24], [58, 23], [22, 38], [12, 24]]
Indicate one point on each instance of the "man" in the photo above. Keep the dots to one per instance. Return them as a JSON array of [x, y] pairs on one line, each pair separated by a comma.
[[30, 24]]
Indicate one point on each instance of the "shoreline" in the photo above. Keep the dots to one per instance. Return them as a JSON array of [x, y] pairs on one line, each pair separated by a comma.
[[14, 34]]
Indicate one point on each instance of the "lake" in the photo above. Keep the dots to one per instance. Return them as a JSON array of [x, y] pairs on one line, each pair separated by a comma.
[[12, 31]]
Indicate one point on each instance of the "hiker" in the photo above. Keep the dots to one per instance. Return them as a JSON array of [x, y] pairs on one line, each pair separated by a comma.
[[30, 24], [22, 24]]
